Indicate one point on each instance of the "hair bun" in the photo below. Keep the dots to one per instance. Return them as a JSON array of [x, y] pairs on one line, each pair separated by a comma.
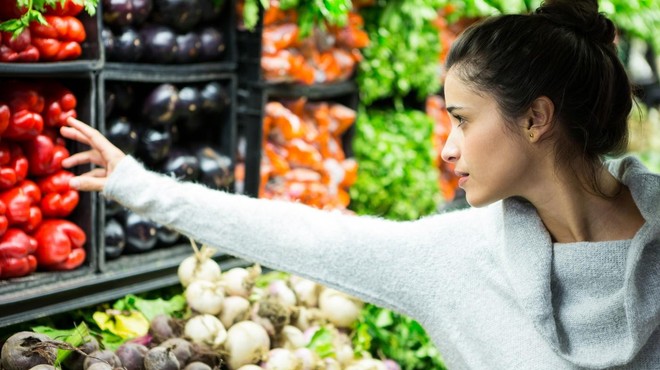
[[581, 16]]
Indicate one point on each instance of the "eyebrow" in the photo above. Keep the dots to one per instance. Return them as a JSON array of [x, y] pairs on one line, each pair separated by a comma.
[[452, 108]]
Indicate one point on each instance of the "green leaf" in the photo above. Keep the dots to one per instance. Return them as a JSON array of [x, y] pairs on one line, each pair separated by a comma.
[[321, 343], [151, 308], [75, 337]]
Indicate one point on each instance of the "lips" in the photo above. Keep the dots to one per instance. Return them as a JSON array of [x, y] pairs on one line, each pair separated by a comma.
[[462, 177]]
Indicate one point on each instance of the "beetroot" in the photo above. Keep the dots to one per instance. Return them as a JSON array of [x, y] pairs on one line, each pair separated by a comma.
[[76, 360], [160, 358], [105, 356], [181, 348], [132, 355], [25, 350]]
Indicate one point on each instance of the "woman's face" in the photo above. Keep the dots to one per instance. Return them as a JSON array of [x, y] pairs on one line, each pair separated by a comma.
[[492, 163]]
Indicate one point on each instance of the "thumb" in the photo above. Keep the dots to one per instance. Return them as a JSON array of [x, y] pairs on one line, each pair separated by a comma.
[[87, 183]]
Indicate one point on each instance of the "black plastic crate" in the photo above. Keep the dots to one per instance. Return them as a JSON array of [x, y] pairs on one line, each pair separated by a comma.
[[91, 59], [41, 285], [220, 134], [252, 100], [226, 24]]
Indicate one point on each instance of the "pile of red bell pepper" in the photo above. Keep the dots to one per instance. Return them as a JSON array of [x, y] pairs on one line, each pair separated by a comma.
[[57, 40], [35, 197]]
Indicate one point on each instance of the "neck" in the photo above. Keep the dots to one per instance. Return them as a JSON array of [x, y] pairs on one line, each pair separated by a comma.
[[573, 213]]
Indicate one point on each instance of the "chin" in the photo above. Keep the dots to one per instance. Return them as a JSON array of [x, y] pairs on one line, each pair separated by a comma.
[[478, 201]]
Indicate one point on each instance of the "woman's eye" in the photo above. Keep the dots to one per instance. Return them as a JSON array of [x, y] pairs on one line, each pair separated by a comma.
[[460, 120]]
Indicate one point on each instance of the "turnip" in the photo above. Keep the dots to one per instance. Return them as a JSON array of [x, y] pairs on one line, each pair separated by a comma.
[[100, 366], [181, 348], [340, 309], [205, 296], [163, 327], [366, 364], [239, 281], [282, 359], [132, 355], [234, 309], [196, 365], [304, 318], [271, 315], [43, 367], [199, 266], [250, 367], [309, 359], [25, 350], [279, 291], [206, 329], [247, 343], [160, 358], [290, 338], [331, 364], [104, 356], [307, 291], [76, 359]]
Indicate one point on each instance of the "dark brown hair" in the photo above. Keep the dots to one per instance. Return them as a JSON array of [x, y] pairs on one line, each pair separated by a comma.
[[565, 51]]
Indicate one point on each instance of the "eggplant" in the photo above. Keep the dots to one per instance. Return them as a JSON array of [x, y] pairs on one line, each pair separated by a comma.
[[159, 108], [140, 233], [159, 44], [211, 9], [214, 98], [183, 15], [108, 39], [215, 169], [115, 239], [213, 44], [128, 46], [181, 165], [188, 47], [124, 94], [189, 104], [166, 235], [121, 13], [123, 134], [112, 208], [154, 145], [109, 99]]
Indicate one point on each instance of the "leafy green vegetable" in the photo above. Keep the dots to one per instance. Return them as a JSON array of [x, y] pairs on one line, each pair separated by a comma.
[[321, 343], [35, 9], [396, 176], [75, 337], [400, 338], [151, 308]]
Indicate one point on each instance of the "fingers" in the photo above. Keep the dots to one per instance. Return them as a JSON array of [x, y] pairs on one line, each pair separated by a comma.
[[96, 172], [73, 134], [89, 156], [88, 183], [94, 138]]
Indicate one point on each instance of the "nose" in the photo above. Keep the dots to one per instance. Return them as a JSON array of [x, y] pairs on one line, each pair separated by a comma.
[[450, 152]]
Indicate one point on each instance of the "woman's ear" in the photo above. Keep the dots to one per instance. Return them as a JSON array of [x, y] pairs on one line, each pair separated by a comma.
[[540, 118]]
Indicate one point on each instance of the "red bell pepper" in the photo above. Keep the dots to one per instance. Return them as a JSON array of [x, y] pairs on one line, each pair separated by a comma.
[[52, 50], [66, 7], [44, 156], [60, 245], [9, 10], [59, 39], [60, 105], [13, 165], [58, 198], [5, 114], [24, 125], [16, 254], [23, 95], [22, 203], [4, 224], [26, 104], [19, 48]]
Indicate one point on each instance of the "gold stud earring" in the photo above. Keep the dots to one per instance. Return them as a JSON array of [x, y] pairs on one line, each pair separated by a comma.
[[531, 135]]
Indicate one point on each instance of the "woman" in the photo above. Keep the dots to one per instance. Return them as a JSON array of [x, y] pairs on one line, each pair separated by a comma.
[[556, 267]]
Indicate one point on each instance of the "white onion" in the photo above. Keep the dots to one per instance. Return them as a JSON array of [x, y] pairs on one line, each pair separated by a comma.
[[291, 338], [306, 318], [250, 367], [234, 309], [366, 364], [307, 291], [331, 364], [199, 266], [239, 281], [340, 309], [206, 329], [205, 296], [282, 359], [280, 292], [247, 343], [344, 354], [309, 359]]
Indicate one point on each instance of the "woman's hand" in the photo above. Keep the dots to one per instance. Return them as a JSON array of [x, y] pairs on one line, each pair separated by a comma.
[[101, 153]]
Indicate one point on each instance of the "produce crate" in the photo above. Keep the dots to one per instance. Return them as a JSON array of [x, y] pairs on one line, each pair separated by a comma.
[[91, 59], [252, 100], [43, 288], [221, 135], [226, 24]]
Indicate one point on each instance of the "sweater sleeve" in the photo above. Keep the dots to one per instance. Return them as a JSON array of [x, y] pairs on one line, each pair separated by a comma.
[[379, 261]]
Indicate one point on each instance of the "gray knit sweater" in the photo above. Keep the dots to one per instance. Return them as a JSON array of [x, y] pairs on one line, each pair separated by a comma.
[[487, 284]]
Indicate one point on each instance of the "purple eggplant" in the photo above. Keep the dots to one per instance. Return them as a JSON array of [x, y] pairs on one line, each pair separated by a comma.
[[188, 47], [121, 132], [124, 94], [112, 208], [154, 145], [109, 99], [166, 235], [159, 44], [108, 43], [211, 9], [183, 15], [115, 239], [213, 44], [159, 108], [215, 98], [216, 170], [181, 165], [140, 233], [128, 46], [121, 13], [189, 104]]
